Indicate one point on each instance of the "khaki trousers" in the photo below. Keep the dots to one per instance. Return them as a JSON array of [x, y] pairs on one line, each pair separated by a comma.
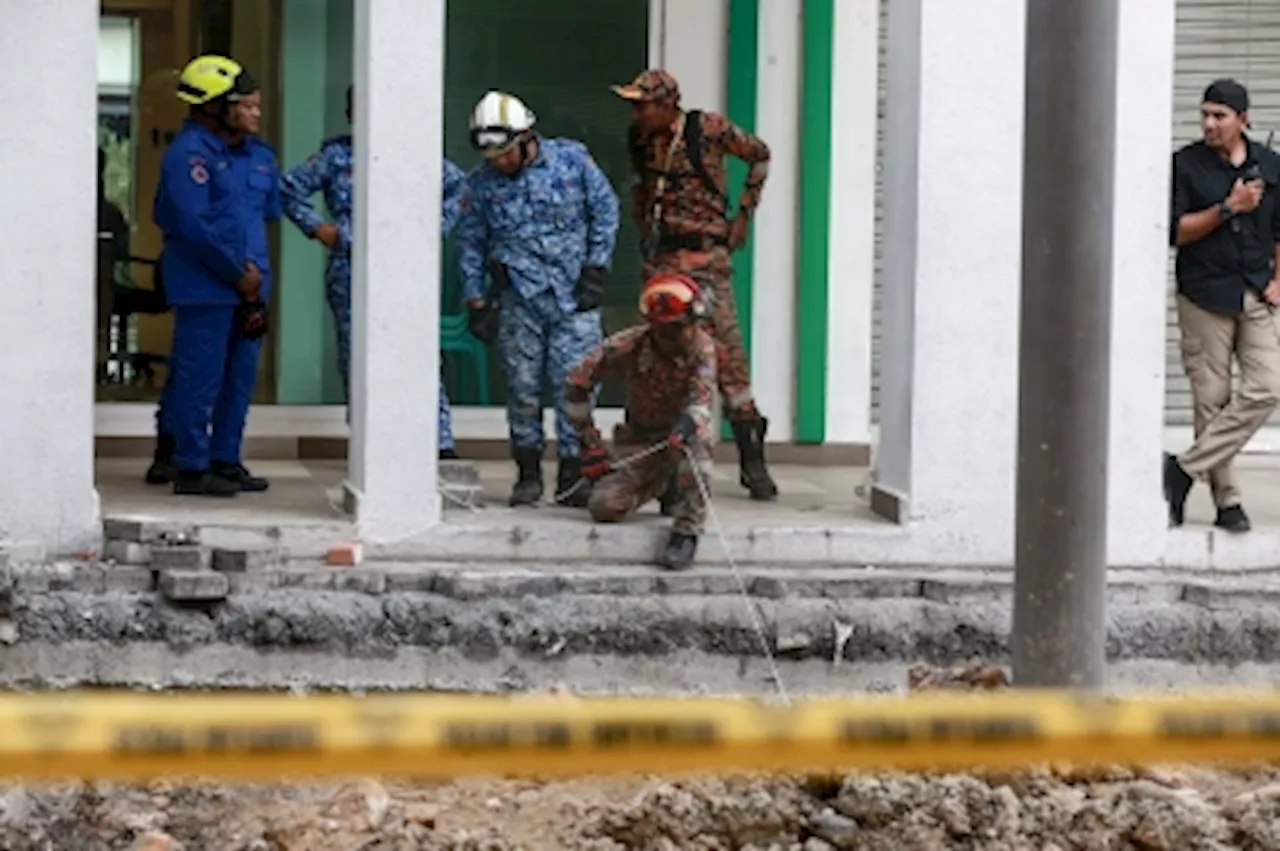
[[1225, 423]]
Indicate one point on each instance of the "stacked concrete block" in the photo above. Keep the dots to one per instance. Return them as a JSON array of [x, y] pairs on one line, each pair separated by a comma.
[[459, 483]]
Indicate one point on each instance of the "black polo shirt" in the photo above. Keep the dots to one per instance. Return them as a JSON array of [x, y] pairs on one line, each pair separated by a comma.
[[1214, 271]]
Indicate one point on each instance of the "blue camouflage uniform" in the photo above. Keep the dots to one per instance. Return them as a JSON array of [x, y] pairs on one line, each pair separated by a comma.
[[545, 223], [212, 203], [329, 171]]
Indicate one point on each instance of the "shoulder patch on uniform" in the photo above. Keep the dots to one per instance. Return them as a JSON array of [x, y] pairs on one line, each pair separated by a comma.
[[199, 174]]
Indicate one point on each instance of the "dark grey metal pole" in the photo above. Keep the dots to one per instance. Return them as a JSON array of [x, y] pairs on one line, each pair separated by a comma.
[[1059, 613]]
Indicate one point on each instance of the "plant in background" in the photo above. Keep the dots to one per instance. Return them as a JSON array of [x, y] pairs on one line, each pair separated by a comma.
[[119, 173]]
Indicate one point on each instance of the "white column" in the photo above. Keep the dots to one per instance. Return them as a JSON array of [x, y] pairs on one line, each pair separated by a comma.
[[851, 245], [1137, 516], [773, 293], [953, 184], [395, 366], [48, 227]]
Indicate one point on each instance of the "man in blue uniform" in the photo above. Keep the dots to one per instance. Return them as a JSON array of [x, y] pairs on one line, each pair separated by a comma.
[[329, 171], [542, 220], [219, 186]]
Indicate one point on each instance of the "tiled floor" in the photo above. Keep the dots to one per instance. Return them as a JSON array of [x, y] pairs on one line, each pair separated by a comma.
[[308, 492]]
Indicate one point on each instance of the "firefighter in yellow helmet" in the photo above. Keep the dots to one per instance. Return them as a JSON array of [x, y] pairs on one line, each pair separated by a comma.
[[219, 187]]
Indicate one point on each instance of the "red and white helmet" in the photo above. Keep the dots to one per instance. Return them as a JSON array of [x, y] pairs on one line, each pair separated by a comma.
[[671, 297]]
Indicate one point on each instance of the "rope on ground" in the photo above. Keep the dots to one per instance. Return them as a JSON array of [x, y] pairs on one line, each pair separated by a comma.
[[757, 624]]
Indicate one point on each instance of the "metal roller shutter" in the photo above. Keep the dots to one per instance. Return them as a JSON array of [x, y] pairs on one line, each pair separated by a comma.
[[1218, 38], [1215, 38]]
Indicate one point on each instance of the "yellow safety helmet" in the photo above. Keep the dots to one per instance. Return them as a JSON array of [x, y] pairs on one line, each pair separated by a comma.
[[207, 78]]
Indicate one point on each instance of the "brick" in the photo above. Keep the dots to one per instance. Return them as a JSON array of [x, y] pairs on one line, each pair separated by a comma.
[[767, 586], [347, 554], [180, 558], [194, 585], [955, 593], [241, 560], [24, 553], [148, 530], [126, 552], [43, 578], [1231, 597]]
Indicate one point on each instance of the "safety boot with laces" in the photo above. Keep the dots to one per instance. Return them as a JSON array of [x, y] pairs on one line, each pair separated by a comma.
[[753, 475], [528, 486], [203, 483], [240, 476]]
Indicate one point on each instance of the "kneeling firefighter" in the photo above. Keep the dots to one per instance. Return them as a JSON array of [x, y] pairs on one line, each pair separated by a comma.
[[667, 366]]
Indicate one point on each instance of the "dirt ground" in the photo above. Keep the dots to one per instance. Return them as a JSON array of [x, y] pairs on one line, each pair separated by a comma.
[[1168, 808]]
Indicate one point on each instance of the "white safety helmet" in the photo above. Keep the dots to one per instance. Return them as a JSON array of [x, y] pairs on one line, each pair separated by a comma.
[[499, 121]]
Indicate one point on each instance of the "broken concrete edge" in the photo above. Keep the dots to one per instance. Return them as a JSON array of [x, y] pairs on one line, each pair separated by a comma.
[[557, 630], [471, 582]]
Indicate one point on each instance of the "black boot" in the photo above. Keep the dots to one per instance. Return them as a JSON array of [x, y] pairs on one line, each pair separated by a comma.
[[203, 483], [1177, 486], [1233, 519], [754, 476], [528, 487], [162, 471], [679, 552], [242, 478], [571, 489], [669, 496]]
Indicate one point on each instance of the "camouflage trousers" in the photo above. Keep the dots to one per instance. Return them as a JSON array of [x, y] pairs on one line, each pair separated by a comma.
[[713, 272], [628, 488]]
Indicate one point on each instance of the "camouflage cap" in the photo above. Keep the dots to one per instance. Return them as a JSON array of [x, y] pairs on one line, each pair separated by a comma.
[[653, 85]]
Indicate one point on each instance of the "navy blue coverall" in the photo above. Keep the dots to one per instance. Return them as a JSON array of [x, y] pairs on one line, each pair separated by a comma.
[[212, 203]]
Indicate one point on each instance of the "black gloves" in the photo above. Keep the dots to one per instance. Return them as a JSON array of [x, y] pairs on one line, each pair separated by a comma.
[[589, 290], [254, 321], [482, 322], [683, 431]]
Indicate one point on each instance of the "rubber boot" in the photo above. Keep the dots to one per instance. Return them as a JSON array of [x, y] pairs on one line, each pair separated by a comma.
[[243, 479], [162, 471], [528, 487], [569, 478], [203, 483], [679, 551], [753, 475]]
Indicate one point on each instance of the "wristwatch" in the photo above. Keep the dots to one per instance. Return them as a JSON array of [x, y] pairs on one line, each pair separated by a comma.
[[1227, 212]]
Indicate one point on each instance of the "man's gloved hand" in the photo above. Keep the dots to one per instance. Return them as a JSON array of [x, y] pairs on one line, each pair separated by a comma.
[[589, 290], [482, 322], [596, 463], [683, 431], [254, 320]]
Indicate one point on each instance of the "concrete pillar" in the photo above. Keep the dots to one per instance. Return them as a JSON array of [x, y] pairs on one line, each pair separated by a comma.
[[952, 232], [399, 93], [1138, 520], [773, 296], [48, 218], [851, 246]]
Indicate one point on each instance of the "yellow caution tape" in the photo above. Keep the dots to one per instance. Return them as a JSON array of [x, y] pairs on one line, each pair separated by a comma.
[[94, 735]]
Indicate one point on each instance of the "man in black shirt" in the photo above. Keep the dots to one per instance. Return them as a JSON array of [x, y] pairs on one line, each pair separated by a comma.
[[1225, 223]]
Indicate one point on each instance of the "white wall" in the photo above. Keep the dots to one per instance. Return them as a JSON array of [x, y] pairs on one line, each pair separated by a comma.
[[690, 38], [1137, 525], [48, 218], [851, 244], [775, 269]]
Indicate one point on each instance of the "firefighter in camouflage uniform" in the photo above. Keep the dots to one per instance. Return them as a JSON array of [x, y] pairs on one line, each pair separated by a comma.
[[681, 206], [667, 366]]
